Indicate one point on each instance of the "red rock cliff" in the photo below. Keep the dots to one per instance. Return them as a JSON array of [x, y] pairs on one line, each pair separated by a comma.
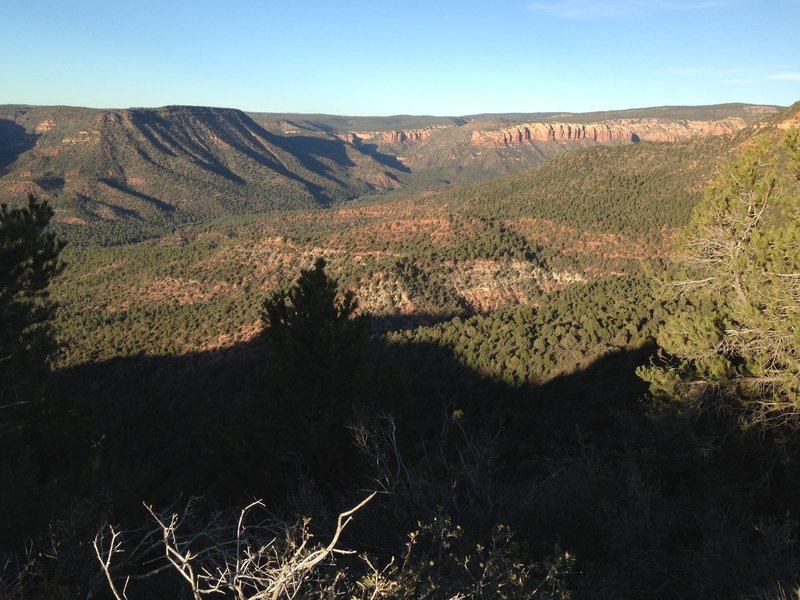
[[406, 136], [621, 130], [401, 137]]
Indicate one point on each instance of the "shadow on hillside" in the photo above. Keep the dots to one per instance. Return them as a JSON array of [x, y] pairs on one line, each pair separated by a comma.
[[93, 208], [304, 149], [335, 149], [318, 164], [14, 140], [51, 183], [578, 463], [246, 127], [159, 416], [387, 160], [159, 204], [159, 132]]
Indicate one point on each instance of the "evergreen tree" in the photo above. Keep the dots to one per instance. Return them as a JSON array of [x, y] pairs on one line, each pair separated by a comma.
[[317, 353], [733, 344], [28, 261], [308, 305]]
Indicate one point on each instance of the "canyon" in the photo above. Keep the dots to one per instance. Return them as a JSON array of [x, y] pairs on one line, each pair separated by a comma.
[[135, 173]]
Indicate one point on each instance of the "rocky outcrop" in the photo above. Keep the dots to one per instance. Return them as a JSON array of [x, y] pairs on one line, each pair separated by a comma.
[[45, 126], [553, 132], [82, 137], [405, 136], [408, 136], [349, 137], [619, 130], [600, 132]]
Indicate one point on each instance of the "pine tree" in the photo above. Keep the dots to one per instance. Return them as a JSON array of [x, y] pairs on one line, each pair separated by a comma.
[[28, 261], [317, 363], [732, 343], [311, 302]]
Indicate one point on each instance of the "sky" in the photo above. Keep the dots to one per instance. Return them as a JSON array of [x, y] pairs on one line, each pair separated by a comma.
[[382, 57]]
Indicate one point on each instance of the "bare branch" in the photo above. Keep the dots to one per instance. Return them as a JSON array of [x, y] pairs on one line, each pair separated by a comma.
[[266, 560]]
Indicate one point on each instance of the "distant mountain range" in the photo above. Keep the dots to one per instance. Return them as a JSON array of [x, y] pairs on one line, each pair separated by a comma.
[[121, 175]]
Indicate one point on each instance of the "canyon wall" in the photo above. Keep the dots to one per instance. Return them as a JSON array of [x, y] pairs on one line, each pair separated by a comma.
[[488, 134], [619, 130], [404, 136]]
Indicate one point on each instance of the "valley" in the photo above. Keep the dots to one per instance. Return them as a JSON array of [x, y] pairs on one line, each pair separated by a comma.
[[124, 176], [466, 314], [412, 258], [424, 218]]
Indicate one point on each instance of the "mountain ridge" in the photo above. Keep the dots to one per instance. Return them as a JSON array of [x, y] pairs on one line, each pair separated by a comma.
[[117, 176]]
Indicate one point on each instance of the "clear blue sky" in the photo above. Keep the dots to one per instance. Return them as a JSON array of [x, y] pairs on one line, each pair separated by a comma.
[[380, 57]]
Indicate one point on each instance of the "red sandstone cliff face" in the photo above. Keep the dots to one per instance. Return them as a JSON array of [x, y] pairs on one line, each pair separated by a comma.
[[407, 136], [401, 137], [621, 130], [612, 131], [555, 132]]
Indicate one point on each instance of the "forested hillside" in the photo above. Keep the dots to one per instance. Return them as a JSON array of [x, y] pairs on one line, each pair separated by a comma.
[[417, 259], [122, 176], [564, 382], [119, 176]]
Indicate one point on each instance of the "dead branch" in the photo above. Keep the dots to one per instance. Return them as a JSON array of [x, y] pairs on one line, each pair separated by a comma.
[[268, 560]]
